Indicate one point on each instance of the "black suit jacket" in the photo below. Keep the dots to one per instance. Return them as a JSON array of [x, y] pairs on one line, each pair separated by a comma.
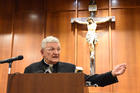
[[62, 67]]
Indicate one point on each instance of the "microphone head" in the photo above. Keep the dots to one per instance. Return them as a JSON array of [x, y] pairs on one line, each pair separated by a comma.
[[20, 57]]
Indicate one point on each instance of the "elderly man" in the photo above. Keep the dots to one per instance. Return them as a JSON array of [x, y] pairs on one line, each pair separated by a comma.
[[51, 64]]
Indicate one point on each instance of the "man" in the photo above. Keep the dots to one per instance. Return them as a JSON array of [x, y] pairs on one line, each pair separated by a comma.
[[51, 64]]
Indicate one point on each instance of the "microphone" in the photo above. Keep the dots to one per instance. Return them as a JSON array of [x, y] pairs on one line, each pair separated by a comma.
[[10, 60]]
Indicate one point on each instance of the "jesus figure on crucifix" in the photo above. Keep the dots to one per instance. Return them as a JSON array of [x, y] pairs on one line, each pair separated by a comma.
[[91, 36]]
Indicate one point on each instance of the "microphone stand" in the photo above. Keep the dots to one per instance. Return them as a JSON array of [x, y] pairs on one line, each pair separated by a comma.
[[10, 66], [9, 78]]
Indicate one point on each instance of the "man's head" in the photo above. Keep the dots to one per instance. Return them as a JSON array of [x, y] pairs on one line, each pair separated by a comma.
[[50, 49]]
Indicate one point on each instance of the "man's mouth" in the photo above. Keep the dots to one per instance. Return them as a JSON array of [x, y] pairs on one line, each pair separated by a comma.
[[55, 57]]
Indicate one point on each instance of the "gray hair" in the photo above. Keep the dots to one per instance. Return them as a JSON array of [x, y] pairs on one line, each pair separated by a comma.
[[49, 39]]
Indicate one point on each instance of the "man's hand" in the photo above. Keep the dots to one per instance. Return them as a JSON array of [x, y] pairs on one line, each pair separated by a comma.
[[119, 69]]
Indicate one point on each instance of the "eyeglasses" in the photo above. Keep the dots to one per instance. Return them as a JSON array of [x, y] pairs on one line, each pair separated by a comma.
[[53, 49]]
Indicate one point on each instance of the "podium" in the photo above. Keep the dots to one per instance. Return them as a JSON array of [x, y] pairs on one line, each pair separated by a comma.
[[46, 83]]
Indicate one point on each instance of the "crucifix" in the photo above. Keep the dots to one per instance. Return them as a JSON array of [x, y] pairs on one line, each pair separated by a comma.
[[91, 36]]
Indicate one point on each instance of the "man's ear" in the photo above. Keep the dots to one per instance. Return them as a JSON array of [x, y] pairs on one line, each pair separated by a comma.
[[41, 51]]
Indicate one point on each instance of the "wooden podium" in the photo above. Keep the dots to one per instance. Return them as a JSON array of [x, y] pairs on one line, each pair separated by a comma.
[[46, 83]]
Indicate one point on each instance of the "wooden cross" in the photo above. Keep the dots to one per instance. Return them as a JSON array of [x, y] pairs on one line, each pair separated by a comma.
[[91, 36]]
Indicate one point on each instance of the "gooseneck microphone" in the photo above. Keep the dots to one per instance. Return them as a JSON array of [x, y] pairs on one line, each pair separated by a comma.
[[20, 57]]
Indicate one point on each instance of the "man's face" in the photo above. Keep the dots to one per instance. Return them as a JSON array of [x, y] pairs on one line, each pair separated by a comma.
[[51, 53]]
